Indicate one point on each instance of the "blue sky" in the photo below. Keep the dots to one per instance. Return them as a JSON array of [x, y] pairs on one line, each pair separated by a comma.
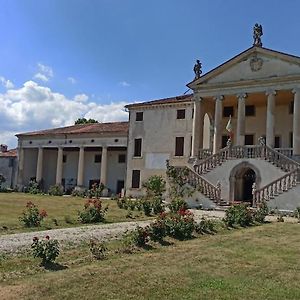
[[92, 57]]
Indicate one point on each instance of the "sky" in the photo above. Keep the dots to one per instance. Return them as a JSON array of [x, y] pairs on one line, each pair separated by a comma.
[[65, 59]]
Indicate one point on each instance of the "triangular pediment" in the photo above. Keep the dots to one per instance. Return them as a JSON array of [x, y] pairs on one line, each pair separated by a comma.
[[255, 63]]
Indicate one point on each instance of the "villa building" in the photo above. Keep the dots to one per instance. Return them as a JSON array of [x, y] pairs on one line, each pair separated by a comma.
[[238, 132]]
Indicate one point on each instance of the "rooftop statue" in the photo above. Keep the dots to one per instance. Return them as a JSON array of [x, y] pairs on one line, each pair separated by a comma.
[[257, 33], [197, 69]]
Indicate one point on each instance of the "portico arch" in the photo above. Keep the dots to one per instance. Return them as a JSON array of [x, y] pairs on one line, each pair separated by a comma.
[[241, 179]]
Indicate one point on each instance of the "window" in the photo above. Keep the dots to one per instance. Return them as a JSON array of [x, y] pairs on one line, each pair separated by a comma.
[[122, 158], [179, 146], [136, 174], [227, 111], [139, 116], [291, 107], [97, 158], [137, 147], [277, 142], [64, 158], [120, 186], [249, 139], [192, 113], [250, 110], [291, 139], [11, 162], [224, 140], [180, 113]]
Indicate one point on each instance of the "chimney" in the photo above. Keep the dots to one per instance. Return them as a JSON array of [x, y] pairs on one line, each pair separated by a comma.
[[3, 148]]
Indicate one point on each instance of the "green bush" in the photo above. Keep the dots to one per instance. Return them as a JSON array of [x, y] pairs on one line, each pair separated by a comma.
[[147, 207], [177, 204], [138, 237], [157, 205], [92, 212], [157, 230], [297, 213], [56, 190], [47, 250], [155, 186], [2, 180], [180, 225], [79, 193], [33, 188], [32, 217], [205, 226], [238, 215], [261, 212], [98, 250], [96, 190]]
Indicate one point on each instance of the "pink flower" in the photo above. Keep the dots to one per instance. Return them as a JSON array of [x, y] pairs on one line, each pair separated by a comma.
[[43, 213], [35, 239], [47, 237]]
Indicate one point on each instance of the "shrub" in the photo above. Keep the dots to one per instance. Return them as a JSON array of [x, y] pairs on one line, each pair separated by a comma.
[[93, 212], [177, 204], [98, 250], [157, 205], [138, 237], [68, 219], [56, 190], [131, 204], [261, 212], [297, 213], [96, 190], [180, 225], [205, 226], [47, 249], [147, 207], [32, 217], [78, 193], [157, 230], [33, 188], [2, 180], [238, 215], [155, 186]]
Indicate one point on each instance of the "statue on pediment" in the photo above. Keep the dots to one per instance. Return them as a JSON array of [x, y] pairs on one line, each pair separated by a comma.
[[257, 33], [198, 69]]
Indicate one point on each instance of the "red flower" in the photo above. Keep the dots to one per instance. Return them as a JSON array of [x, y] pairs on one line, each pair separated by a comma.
[[35, 239], [43, 213], [30, 204], [47, 237]]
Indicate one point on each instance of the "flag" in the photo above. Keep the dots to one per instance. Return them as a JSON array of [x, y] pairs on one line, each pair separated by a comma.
[[229, 125]]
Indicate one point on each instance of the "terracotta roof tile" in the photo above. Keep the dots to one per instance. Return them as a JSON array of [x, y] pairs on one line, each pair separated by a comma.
[[182, 98], [9, 153], [97, 128]]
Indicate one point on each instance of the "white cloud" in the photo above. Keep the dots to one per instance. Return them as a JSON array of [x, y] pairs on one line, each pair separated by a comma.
[[124, 84], [34, 107], [72, 80], [44, 72], [81, 98], [6, 83]]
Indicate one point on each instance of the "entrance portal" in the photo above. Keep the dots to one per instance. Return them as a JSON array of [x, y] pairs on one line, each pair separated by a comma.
[[243, 184]]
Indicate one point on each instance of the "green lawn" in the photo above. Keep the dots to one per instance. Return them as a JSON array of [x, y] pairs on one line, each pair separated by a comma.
[[13, 204], [260, 262]]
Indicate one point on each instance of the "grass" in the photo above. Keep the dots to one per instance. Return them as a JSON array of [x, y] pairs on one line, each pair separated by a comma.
[[260, 262], [63, 209]]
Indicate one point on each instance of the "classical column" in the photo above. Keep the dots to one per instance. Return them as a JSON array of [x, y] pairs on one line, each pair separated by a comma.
[[197, 138], [103, 175], [59, 166], [218, 123], [39, 165], [80, 167], [270, 128], [240, 136], [20, 166], [296, 122]]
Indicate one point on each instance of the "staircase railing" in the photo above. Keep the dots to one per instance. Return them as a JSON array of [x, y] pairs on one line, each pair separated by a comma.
[[204, 186], [204, 153], [238, 152], [276, 187], [285, 151]]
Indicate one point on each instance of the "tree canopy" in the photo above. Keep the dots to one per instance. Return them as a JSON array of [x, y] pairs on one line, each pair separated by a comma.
[[85, 121]]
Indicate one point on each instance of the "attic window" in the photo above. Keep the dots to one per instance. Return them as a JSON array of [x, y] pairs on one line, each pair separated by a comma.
[[70, 141], [30, 142], [49, 142], [92, 141], [116, 140]]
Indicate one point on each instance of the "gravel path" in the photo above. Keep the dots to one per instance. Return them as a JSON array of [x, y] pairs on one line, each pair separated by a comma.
[[19, 241]]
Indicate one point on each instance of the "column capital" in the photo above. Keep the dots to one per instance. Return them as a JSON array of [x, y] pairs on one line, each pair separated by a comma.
[[219, 98], [197, 98], [241, 96], [296, 90], [271, 92]]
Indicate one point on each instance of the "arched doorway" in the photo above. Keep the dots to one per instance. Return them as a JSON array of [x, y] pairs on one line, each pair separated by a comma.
[[243, 184], [241, 180]]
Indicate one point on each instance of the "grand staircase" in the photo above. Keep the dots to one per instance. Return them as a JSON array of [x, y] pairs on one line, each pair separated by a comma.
[[282, 160]]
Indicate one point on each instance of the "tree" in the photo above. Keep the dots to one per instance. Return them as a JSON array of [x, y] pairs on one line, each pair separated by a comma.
[[85, 121]]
